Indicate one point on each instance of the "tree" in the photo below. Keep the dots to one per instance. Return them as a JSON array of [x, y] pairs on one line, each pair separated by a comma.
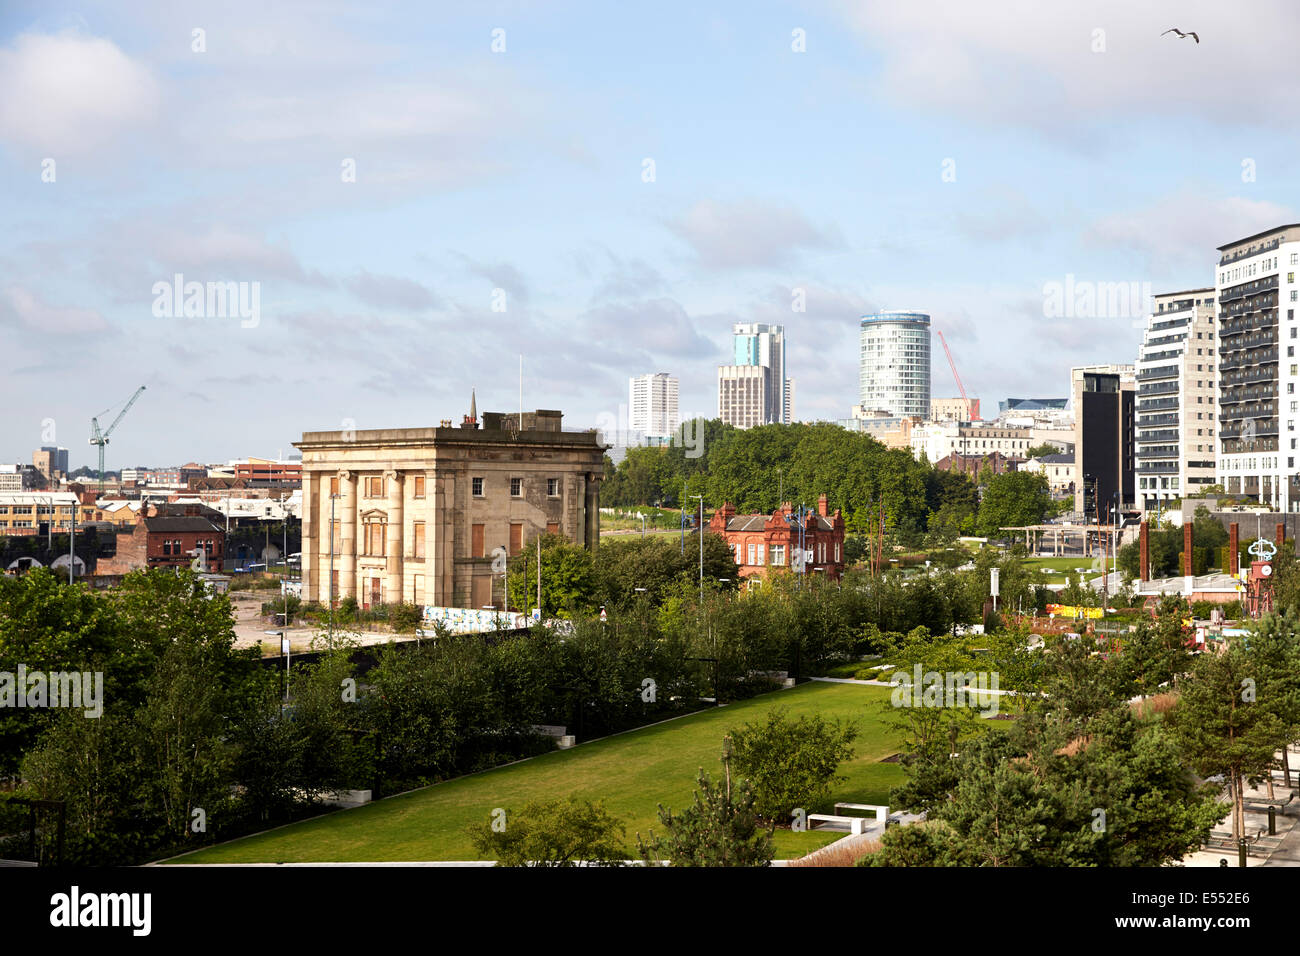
[[553, 833], [791, 763], [721, 828], [568, 577], [1038, 451], [1222, 727], [1040, 796], [1013, 499]]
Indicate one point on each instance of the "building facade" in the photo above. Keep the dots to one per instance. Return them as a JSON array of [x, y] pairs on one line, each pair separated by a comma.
[[754, 390], [954, 409], [941, 439], [1104, 437], [744, 395], [894, 363], [417, 513], [652, 405], [51, 461], [1176, 380], [762, 543], [1256, 301], [1058, 470]]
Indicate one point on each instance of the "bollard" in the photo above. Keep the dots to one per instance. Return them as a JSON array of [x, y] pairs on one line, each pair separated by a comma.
[[1272, 821], [1241, 852]]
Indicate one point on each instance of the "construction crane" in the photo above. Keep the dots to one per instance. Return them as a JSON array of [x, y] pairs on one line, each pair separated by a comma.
[[953, 365], [101, 438]]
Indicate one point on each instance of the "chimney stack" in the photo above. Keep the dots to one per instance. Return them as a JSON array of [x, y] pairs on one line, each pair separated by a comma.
[[822, 504]]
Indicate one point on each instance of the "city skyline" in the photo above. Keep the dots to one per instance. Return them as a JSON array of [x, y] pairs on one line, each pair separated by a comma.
[[179, 163]]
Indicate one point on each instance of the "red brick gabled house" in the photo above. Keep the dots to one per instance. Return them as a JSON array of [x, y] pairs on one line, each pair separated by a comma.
[[167, 536], [762, 542]]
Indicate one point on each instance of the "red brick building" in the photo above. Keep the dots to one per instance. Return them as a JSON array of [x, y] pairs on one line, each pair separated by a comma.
[[762, 542], [972, 465], [166, 540]]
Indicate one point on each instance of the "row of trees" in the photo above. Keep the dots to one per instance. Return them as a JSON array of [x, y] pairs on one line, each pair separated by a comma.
[[754, 468], [1096, 771]]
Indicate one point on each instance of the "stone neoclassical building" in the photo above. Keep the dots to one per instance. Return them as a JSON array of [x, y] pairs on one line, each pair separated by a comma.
[[419, 511]]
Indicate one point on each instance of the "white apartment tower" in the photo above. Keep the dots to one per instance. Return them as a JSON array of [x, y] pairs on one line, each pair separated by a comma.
[[1256, 297], [1175, 414], [652, 405], [894, 363], [754, 390]]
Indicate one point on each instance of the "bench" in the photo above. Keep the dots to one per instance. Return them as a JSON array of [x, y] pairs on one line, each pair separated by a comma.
[[836, 822], [881, 813]]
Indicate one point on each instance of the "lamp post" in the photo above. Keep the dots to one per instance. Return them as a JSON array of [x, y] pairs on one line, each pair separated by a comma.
[[801, 517], [701, 531]]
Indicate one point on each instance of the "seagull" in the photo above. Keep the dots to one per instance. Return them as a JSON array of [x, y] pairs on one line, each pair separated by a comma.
[[1182, 35]]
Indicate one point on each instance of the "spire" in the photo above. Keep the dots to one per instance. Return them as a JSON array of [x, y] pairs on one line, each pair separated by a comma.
[[473, 405]]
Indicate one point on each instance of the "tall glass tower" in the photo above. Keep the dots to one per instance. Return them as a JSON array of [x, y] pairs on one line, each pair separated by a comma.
[[894, 363]]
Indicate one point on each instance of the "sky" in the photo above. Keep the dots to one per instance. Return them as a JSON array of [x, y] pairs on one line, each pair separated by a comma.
[[418, 194]]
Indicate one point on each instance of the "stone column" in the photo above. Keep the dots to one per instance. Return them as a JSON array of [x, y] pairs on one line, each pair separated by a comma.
[[346, 516], [394, 537], [1234, 554], [591, 512], [439, 576], [310, 536]]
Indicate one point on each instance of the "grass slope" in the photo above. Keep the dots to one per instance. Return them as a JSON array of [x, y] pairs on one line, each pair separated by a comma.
[[632, 772]]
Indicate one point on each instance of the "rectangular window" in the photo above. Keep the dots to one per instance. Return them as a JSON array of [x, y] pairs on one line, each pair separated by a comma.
[[516, 538], [417, 581], [516, 487], [334, 584], [837, 552], [418, 490], [778, 555], [334, 486], [338, 535], [417, 535], [751, 553], [552, 527], [476, 541], [375, 487], [760, 550], [476, 487], [553, 487], [376, 538]]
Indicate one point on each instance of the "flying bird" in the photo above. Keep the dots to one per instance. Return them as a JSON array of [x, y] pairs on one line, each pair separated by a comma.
[[1182, 35]]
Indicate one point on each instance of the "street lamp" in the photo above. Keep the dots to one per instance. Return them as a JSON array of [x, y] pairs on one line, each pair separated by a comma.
[[701, 529]]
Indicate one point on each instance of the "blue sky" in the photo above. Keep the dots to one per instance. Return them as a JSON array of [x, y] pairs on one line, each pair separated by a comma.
[[1112, 156]]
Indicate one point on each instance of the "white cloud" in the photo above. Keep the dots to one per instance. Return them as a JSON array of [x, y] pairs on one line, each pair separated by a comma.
[[749, 233], [29, 310], [1180, 233], [70, 94], [1033, 64]]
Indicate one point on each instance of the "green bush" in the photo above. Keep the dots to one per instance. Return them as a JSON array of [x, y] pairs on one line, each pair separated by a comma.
[[405, 617]]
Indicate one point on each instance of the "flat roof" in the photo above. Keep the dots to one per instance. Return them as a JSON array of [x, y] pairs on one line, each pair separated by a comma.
[[1260, 235]]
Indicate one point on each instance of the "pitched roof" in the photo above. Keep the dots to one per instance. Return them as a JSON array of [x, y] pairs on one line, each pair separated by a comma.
[[179, 525]]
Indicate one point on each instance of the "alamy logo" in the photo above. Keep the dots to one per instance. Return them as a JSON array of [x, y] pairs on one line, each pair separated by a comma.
[[208, 300], [38, 689], [945, 689], [75, 909]]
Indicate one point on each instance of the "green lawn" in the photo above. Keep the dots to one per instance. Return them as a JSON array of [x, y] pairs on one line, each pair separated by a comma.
[[1057, 565], [632, 772]]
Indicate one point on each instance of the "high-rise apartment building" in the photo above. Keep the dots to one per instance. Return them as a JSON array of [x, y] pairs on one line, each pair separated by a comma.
[[1104, 434], [754, 390], [652, 405], [51, 461], [1256, 299], [1176, 398], [894, 363]]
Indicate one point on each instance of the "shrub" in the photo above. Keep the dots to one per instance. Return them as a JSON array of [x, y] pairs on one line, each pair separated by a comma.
[[791, 763], [405, 617]]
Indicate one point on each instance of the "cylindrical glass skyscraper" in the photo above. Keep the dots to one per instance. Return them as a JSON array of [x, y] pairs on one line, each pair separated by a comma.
[[894, 369]]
